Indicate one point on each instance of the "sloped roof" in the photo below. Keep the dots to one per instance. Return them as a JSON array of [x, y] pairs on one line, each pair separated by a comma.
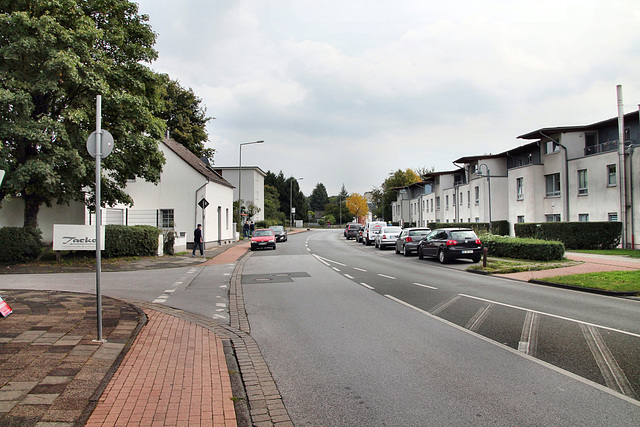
[[193, 161], [540, 133]]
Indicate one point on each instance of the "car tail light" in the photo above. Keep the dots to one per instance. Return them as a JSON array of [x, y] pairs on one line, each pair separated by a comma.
[[384, 236], [478, 242], [451, 242], [409, 239]]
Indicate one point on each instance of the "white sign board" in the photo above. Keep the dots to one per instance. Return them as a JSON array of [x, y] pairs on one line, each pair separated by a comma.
[[76, 237]]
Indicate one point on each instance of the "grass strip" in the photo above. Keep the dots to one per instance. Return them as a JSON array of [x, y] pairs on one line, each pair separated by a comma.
[[617, 281]]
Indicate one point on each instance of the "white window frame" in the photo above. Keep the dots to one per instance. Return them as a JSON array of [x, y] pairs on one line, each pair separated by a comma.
[[554, 180], [583, 182], [520, 188], [612, 172]]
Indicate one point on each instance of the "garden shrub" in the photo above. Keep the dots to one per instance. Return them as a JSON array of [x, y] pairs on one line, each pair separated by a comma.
[[519, 248], [575, 235], [137, 240], [19, 244]]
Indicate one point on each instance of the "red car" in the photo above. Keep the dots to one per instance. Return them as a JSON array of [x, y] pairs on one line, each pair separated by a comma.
[[263, 238]]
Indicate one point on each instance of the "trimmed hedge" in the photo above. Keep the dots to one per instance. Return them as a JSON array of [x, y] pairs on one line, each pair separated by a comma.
[[19, 244], [574, 235], [519, 248], [497, 227], [137, 240]]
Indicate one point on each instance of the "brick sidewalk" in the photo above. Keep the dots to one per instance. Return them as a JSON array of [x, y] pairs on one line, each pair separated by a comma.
[[174, 374]]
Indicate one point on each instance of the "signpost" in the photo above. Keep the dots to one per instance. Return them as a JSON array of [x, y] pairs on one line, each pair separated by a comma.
[[99, 145]]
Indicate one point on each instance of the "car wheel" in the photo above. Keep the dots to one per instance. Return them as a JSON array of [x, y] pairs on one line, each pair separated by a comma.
[[405, 252], [476, 259], [420, 254], [253, 249], [367, 242], [442, 257]]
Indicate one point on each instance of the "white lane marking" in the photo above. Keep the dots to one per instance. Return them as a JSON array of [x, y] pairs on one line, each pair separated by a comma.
[[440, 307], [425, 286], [388, 277], [329, 260], [336, 269], [613, 375], [476, 321], [161, 299], [529, 337], [576, 377], [360, 269], [348, 276], [321, 260], [169, 291], [367, 286], [554, 315]]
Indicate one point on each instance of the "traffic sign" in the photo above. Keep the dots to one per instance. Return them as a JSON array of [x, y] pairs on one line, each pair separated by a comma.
[[203, 203], [106, 144]]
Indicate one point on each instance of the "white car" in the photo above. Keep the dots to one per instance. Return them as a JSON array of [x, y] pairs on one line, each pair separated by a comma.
[[387, 237], [370, 231]]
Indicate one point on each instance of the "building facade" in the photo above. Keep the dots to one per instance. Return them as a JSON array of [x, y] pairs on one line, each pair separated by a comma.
[[574, 173]]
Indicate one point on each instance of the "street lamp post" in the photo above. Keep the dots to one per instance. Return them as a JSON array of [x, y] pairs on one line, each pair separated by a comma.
[[240, 177], [291, 200], [479, 172]]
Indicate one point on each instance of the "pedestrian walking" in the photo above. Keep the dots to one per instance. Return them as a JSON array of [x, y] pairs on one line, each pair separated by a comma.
[[245, 229], [252, 227], [197, 241]]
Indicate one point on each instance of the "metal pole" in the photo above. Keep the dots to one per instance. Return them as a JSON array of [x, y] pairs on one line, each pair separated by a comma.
[[240, 187], [98, 214], [622, 167]]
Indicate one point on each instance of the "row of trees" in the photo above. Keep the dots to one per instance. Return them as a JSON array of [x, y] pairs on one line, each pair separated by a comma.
[[283, 193], [56, 57]]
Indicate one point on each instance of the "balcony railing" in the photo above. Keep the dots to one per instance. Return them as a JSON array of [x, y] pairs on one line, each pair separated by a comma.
[[603, 147]]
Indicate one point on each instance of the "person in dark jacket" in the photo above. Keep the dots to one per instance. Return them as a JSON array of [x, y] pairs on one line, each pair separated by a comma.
[[197, 241], [246, 229]]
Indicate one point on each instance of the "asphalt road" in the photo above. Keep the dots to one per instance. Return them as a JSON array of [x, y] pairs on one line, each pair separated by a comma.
[[356, 336]]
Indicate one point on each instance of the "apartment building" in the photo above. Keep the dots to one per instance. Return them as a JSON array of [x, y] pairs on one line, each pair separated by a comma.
[[571, 173]]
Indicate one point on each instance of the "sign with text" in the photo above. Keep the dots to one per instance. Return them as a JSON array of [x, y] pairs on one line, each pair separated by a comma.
[[76, 237]]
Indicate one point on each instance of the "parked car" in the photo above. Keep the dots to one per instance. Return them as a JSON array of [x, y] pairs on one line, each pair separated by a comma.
[[450, 243], [370, 231], [263, 238], [280, 232], [359, 234], [409, 239], [351, 231], [387, 237]]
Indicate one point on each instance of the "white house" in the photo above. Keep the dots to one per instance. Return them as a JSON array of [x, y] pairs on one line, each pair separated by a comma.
[[189, 193], [252, 182], [173, 204]]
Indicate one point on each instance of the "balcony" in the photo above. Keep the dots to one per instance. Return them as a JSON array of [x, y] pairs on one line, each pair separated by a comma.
[[603, 147]]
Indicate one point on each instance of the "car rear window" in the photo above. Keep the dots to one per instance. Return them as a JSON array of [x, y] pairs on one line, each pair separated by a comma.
[[419, 232], [463, 235], [392, 230], [259, 233]]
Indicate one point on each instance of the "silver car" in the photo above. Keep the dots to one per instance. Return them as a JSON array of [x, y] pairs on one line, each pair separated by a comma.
[[387, 236], [409, 239]]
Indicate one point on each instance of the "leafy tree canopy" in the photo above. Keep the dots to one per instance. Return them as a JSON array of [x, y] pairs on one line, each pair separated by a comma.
[[318, 198], [385, 195], [185, 117], [57, 55], [357, 205]]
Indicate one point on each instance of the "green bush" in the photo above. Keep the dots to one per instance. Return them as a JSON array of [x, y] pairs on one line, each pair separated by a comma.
[[575, 235], [19, 244], [519, 248], [137, 240]]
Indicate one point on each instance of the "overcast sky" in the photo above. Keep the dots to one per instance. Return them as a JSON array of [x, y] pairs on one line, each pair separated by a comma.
[[349, 91]]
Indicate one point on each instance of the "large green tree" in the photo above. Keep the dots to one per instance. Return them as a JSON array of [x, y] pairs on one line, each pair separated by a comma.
[[57, 55], [318, 198]]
